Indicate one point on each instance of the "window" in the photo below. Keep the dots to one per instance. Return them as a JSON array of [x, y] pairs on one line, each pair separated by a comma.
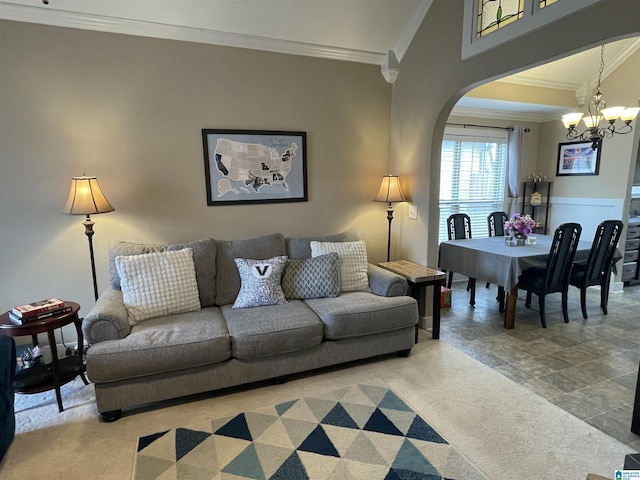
[[489, 23], [472, 176], [544, 3], [494, 14]]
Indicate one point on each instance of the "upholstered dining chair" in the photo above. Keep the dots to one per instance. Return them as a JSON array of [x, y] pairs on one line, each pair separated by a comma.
[[459, 228], [597, 269], [554, 277]]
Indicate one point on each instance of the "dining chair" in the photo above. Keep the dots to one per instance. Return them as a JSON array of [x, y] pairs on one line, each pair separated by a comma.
[[597, 269], [495, 224], [554, 277], [459, 228]]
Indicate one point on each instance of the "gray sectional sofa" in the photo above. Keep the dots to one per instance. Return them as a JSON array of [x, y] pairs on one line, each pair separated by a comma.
[[218, 346]]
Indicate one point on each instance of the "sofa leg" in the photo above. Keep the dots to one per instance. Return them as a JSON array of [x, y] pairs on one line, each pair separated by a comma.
[[281, 380], [111, 416], [404, 353]]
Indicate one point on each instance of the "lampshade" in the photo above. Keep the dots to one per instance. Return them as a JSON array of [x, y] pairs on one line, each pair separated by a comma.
[[390, 190], [86, 198]]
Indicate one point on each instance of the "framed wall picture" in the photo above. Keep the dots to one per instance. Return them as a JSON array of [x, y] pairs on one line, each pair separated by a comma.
[[578, 158], [254, 166]]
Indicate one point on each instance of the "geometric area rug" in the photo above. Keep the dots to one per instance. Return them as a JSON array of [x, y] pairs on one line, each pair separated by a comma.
[[363, 431]]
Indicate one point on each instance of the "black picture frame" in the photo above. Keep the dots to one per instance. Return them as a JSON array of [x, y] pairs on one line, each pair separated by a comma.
[[254, 166], [578, 158]]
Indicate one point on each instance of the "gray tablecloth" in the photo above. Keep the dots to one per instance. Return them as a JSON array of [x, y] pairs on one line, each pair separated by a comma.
[[490, 260]]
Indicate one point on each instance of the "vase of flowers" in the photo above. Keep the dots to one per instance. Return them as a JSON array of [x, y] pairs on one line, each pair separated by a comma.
[[521, 226]]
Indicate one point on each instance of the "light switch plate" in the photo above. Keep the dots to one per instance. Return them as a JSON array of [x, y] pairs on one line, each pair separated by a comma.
[[413, 212]]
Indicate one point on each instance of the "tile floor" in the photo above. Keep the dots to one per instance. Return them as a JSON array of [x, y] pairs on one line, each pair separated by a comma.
[[587, 367]]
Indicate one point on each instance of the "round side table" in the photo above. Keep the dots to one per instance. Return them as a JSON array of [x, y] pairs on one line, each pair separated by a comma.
[[62, 370]]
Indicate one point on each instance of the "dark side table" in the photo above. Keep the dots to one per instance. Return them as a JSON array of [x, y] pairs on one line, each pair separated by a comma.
[[59, 371], [419, 278]]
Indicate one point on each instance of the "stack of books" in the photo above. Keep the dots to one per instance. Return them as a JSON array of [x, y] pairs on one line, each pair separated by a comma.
[[38, 311]]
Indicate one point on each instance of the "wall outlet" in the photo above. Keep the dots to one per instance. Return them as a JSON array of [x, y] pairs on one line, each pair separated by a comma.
[[413, 212]]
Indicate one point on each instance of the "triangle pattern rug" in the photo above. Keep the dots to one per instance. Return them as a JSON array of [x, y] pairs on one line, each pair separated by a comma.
[[358, 432]]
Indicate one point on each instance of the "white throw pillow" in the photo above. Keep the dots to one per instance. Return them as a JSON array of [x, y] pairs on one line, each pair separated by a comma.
[[157, 284], [352, 261]]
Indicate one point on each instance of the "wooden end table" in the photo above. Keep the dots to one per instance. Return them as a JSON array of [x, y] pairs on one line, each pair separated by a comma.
[[48, 325], [419, 278]]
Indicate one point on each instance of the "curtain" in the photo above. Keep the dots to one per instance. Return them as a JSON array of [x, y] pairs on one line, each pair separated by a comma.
[[513, 169]]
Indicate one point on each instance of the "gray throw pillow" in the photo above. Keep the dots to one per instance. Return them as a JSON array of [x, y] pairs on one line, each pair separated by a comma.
[[204, 258], [260, 282], [311, 277], [124, 249]]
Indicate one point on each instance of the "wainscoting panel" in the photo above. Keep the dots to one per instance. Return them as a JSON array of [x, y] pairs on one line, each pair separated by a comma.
[[588, 212]]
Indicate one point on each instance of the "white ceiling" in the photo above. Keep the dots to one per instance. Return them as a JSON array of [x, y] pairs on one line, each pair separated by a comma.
[[353, 30]]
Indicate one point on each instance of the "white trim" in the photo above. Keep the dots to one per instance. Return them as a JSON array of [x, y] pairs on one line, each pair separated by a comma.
[[61, 18], [503, 115], [616, 203], [521, 79]]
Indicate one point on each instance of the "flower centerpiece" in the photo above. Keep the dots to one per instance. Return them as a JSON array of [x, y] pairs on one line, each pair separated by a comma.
[[521, 225]]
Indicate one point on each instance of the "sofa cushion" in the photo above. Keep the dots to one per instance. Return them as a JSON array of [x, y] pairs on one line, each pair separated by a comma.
[[300, 247], [258, 248], [311, 277], [204, 259], [162, 344], [274, 330], [124, 249], [362, 313], [352, 262], [156, 284], [260, 282]]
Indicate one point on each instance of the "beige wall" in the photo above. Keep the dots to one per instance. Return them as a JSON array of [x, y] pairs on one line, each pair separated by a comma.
[[130, 110], [433, 77]]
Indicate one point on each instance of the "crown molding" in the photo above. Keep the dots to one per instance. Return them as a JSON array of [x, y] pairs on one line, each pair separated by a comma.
[[521, 79], [61, 18], [503, 114]]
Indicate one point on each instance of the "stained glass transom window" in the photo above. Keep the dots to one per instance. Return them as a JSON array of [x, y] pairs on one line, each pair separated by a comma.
[[495, 14], [544, 3]]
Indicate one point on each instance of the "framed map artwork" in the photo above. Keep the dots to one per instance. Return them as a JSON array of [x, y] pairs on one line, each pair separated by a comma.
[[254, 166], [578, 158]]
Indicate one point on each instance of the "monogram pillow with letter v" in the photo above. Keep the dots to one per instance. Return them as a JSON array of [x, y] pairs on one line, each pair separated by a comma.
[[260, 282]]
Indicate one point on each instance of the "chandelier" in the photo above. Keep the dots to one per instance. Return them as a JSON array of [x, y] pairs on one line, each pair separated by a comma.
[[596, 112]]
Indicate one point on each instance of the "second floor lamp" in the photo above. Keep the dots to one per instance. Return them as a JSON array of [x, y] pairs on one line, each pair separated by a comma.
[[86, 198], [390, 193]]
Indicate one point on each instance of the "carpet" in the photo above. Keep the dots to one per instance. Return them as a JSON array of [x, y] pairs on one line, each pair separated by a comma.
[[363, 431]]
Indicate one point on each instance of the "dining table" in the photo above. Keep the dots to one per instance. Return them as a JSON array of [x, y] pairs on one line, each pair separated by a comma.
[[491, 260]]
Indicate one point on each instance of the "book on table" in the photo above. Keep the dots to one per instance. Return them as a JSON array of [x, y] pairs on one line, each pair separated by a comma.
[[37, 308], [40, 316]]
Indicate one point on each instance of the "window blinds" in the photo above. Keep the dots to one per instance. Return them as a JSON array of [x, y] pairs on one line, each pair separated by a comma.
[[472, 176]]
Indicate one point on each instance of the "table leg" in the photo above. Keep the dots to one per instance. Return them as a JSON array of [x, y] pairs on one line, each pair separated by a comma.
[[510, 308], [418, 291], [435, 331], [54, 366], [80, 347]]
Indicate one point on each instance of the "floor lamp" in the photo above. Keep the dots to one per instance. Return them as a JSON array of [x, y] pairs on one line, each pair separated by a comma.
[[86, 198], [389, 192]]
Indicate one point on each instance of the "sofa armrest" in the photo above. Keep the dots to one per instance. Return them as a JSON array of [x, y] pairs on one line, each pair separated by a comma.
[[108, 319], [386, 283]]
